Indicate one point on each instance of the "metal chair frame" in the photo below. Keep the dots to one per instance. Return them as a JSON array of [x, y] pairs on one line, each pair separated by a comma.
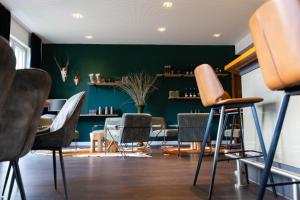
[[221, 126], [274, 143]]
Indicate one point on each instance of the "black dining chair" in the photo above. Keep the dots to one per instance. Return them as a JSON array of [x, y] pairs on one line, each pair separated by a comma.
[[19, 117], [60, 133]]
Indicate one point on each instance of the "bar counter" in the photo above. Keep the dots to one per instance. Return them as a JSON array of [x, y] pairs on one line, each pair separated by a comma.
[[288, 151]]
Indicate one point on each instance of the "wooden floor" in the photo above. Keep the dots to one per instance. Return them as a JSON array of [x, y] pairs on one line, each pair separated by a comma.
[[159, 178]]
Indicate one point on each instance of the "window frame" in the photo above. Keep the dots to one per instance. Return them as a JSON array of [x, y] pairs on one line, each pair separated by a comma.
[[15, 43]]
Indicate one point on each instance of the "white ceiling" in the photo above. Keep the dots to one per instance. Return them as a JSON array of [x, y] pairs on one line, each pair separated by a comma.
[[188, 22]]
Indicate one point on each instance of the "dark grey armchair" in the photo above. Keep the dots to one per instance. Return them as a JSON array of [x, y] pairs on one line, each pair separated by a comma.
[[134, 127], [191, 127], [19, 118], [60, 133], [7, 68]]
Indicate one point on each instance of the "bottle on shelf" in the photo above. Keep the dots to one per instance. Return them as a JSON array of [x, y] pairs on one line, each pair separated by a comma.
[[186, 92], [111, 110], [106, 110], [191, 93], [99, 110], [194, 93]]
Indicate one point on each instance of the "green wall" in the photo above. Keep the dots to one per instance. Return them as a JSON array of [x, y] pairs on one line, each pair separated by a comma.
[[113, 61]]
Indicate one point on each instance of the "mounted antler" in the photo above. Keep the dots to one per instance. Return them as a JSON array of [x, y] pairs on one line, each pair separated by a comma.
[[63, 69]]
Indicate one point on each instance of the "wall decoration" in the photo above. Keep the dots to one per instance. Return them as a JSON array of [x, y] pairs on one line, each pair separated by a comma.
[[92, 80], [139, 86], [76, 79], [63, 69]]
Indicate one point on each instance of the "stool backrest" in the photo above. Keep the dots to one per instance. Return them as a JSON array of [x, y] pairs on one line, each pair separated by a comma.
[[7, 68], [209, 86], [275, 28]]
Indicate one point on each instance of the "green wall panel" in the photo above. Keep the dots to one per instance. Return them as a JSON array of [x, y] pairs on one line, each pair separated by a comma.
[[113, 61]]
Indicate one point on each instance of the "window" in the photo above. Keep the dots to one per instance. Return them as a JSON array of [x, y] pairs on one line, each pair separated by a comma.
[[22, 53]]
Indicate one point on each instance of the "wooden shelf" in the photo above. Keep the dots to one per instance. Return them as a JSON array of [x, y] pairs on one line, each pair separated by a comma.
[[90, 115], [185, 75], [175, 75], [106, 84], [184, 98]]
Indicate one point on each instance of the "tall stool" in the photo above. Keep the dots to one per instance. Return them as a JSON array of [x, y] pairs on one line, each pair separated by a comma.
[[212, 95], [275, 29]]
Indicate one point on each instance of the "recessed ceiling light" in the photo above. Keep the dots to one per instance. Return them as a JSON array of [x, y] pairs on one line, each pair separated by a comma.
[[77, 15], [89, 37], [216, 35], [161, 29], [167, 4]]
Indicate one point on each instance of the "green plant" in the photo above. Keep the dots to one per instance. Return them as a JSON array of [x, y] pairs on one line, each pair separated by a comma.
[[139, 86]]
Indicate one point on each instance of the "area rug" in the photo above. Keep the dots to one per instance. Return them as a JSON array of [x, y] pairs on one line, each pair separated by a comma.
[[86, 153], [187, 150]]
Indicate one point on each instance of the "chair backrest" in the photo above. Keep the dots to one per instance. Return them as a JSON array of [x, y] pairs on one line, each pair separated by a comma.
[[7, 69], [209, 86], [275, 28], [135, 127], [113, 132], [21, 112], [159, 121], [66, 121], [191, 126]]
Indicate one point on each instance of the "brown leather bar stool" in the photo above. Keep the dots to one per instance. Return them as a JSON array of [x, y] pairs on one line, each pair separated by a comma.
[[275, 29], [212, 95]]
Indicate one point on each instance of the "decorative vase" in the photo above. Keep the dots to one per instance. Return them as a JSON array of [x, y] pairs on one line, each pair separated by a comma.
[[140, 108]]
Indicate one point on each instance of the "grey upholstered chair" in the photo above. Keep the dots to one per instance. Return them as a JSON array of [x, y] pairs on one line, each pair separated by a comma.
[[134, 127], [159, 130], [7, 68], [60, 133], [19, 118], [191, 127]]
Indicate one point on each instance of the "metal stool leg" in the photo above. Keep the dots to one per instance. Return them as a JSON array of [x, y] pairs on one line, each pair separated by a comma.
[[273, 146], [242, 143], [217, 150], [63, 173], [262, 144], [205, 139]]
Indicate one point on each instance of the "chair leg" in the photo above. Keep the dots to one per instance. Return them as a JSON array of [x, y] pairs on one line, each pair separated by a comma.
[[19, 179], [178, 148], [262, 144], [217, 150], [11, 185], [232, 130], [273, 146], [205, 139], [6, 178], [63, 173], [54, 169], [243, 144]]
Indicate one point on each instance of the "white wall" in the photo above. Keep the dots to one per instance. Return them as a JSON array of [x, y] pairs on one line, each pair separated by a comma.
[[243, 44], [19, 32], [288, 150]]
